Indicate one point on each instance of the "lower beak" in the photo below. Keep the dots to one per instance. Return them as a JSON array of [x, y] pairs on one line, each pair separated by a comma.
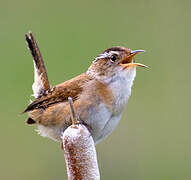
[[127, 62]]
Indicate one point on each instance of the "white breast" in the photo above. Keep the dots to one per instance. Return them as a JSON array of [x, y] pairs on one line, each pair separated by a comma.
[[121, 85]]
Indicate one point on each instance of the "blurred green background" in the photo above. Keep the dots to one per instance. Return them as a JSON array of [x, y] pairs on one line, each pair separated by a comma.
[[152, 141]]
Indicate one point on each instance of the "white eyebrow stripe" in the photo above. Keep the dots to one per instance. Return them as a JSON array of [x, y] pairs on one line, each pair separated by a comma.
[[101, 56], [105, 55]]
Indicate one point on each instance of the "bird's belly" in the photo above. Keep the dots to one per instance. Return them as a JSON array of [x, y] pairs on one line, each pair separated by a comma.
[[108, 128], [103, 123], [100, 121], [97, 121]]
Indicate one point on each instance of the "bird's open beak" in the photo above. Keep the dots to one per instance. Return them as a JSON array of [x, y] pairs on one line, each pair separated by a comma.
[[127, 62]]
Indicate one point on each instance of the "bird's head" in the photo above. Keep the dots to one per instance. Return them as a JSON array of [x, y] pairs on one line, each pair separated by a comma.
[[113, 62]]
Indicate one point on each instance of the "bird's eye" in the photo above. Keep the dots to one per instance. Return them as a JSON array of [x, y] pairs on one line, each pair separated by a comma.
[[113, 58]]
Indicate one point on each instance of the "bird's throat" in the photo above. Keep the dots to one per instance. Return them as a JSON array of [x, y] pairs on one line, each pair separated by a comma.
[[121, 87]]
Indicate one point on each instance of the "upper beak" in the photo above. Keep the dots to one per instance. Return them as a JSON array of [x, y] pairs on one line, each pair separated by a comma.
[[128, 60]]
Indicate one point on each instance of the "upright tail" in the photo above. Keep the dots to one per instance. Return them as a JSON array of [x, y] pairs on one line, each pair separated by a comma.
[[41, 83]]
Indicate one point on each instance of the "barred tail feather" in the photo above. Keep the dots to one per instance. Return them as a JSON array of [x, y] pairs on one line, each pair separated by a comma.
[[41, 83]]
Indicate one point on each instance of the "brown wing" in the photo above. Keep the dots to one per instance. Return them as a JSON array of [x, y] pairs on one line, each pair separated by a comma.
[[60, 93]]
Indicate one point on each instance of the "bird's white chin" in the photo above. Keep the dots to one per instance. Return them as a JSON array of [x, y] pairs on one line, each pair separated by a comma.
[[129, 74]]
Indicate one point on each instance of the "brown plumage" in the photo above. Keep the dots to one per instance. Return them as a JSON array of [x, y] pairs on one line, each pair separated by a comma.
[[60, 93], [99, 94], [49, 100], [51, 107]]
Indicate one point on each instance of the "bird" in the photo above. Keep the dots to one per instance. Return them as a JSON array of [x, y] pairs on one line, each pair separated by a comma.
[[99, 95]]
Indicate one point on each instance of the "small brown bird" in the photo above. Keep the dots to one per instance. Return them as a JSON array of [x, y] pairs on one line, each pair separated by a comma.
[[100, 94]]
